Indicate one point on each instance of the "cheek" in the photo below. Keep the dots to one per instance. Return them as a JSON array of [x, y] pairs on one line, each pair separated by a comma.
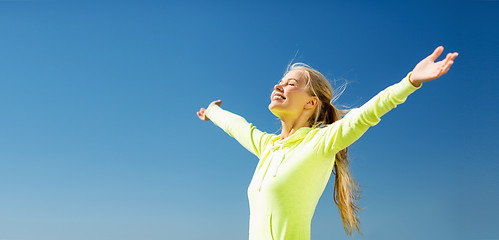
[[296, 101], [298, 96]]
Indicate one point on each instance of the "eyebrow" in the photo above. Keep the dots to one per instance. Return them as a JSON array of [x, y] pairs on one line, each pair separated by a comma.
[[289, 80]]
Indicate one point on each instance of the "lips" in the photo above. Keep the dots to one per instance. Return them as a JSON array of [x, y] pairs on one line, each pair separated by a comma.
[[278, 96]]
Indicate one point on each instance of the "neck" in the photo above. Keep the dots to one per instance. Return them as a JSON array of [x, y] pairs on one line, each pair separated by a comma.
[[290, 126]]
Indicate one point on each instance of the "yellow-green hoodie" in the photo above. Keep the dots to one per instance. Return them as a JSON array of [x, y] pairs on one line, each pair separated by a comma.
[[292, 173]]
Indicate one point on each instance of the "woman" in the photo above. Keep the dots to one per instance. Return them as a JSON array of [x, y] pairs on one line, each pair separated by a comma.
[[294, 167]]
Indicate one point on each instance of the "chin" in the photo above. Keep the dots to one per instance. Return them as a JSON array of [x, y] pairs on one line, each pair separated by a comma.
[[274, 109], [272, 106]]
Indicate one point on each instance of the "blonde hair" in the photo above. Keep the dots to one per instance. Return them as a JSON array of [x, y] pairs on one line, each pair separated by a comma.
[[346, 192]]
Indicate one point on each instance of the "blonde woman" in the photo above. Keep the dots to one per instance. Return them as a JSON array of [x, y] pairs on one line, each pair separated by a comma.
[[294, 167]]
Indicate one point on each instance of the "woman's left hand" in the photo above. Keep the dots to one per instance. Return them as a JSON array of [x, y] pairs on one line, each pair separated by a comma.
[[428, 69]]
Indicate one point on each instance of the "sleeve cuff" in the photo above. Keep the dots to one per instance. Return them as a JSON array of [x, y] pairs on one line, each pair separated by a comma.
[[406, 80], [406, 87], [211, 109]]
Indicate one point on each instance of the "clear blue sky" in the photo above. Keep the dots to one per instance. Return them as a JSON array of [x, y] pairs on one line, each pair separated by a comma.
[[99, 138]]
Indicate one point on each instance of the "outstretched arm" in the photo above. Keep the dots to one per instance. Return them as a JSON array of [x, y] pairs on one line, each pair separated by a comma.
[[347, 130], [428, 69], [236, 126]]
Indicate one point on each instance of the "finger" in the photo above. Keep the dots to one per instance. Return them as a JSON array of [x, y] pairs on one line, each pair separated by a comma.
[[202, 117], [201, 111], [436, 53], [447, 59], [447, 66], [218, 102], [452, 56]]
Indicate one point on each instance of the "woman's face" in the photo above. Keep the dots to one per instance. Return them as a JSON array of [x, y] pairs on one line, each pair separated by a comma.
[[290, 95]]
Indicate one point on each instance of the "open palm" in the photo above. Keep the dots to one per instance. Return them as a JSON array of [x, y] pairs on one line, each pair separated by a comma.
[[428, 69]]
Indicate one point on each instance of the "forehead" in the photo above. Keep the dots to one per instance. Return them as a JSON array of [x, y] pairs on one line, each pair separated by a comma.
[[298, 75]]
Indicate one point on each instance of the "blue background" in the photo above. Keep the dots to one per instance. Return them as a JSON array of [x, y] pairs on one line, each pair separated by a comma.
[[99, 137]]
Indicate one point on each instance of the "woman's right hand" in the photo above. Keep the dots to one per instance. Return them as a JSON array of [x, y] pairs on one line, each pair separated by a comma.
[[202, 111]]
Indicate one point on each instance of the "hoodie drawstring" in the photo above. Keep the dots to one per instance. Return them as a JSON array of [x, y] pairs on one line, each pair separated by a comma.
[[268, 166]]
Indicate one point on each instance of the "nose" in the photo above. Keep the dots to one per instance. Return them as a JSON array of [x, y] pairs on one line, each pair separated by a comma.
[[278, 87]]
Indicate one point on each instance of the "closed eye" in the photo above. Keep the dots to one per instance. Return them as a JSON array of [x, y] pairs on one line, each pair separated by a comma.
[[290, 82]]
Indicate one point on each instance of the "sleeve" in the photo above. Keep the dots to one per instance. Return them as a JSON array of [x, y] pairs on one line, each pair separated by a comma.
[[355, 123], [237, 127]]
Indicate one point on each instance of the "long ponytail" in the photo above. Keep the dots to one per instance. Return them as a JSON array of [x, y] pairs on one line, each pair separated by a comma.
[[346, 192]]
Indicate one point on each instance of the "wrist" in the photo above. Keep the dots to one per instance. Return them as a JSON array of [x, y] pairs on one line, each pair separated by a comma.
[[414, 83]]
